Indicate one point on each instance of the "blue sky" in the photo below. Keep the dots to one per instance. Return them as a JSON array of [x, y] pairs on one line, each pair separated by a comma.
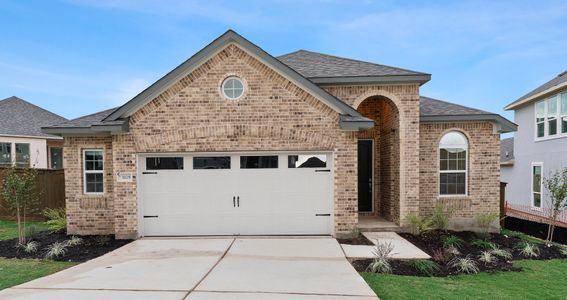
[[77, 57]]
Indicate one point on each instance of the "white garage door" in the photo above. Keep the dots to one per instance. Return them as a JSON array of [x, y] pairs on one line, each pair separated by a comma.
[[248, 194]]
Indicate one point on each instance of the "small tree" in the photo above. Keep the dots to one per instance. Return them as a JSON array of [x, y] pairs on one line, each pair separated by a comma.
[[21, 196], [556, 185]]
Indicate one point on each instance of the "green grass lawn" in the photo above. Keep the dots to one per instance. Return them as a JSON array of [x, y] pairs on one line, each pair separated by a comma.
[[539, 280], [17, 271], [9, 229]]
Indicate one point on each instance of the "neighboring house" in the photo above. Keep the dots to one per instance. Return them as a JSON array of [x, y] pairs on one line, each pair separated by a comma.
[[236, 141], [539, 147], [22, 143]]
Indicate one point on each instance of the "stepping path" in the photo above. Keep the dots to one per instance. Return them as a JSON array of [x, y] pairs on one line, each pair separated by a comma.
[[403, 249]]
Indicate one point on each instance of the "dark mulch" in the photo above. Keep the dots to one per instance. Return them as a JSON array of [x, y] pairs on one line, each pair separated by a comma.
[[538, 230], [91, 247], [359, 240], [432, 242]]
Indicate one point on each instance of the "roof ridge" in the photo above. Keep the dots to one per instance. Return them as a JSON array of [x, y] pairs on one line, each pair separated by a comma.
[[35, 106], [355, 60]]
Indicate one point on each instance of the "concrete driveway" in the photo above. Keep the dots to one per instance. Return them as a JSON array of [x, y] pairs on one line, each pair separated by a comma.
[[207, 268]]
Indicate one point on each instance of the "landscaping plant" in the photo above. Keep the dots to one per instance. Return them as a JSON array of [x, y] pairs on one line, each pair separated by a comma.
[[102, 240], [32, 231], [20, 195], [440, 256], [424, 266], [56, 219], [483, 244], [452, 251], [56, 249], [556, 185], [453, 241], [464, 265], [487, 257], [418, 224], [485, 220], [74, 241], [31, 247], [440, 217], [528, 249], [505, 254], [381, 261]]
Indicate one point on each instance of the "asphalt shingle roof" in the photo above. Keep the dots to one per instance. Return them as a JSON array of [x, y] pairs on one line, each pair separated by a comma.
[[88, 120], [507, 150], [317, 65], [434, 107], [559, 79], [19, 117]]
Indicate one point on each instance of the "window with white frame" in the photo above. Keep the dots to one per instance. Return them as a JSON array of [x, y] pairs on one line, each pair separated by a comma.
[[536, 184], [5, 154], [551, 116], [22, 155], [93, 166], [453, 160]]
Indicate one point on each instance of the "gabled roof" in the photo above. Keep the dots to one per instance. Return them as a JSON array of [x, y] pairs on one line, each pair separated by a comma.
[[434, 110], [21, 118], [329, 69], [217, 45], [507, 151], [551, 86]]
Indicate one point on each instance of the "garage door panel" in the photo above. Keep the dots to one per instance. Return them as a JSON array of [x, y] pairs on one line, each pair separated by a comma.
[[267, 201]]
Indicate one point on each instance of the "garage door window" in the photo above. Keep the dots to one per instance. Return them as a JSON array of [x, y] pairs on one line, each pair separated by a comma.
[[208, 163], [164, 163], [306, 161], [94, 172], [259, 162]]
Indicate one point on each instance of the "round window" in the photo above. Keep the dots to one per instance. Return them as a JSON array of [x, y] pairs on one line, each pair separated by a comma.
[[232, 88]]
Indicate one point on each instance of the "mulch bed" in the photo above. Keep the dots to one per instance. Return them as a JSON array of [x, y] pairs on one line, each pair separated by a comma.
[[433, 241], [359, 240], [91, 247]]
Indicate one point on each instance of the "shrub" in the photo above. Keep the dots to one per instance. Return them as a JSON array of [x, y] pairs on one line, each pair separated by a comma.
[[418, 224], [453, 241], [487, 257], [56, 219], [505, 254], [563, 250], [31, 247], [483, 244], [381, 261], [440, 217], [74, 241], [56, 249], [423, 266], [103, 240], [464, 265], [528, 249], [440, 256], [32, 231], [485, 220]]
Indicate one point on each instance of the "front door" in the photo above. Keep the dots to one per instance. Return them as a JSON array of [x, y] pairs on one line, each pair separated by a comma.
[[365, 175]]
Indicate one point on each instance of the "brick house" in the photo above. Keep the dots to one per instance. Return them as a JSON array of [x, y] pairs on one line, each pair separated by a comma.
[[236, 141]]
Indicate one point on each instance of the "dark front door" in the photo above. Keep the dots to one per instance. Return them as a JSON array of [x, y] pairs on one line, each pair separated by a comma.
[[365, 175]]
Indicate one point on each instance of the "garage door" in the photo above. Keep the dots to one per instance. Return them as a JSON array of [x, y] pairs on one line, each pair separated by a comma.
[[248, 194]]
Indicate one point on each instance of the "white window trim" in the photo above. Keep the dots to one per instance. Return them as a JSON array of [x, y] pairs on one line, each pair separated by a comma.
[[532, 202], [558, 118], [224, 83], [465, 171], [85, 172]]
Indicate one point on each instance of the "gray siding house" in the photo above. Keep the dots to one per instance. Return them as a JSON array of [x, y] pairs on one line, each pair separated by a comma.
[[538, 148]]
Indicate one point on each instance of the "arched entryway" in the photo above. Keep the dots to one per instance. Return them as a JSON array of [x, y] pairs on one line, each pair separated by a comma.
[[379, 160]]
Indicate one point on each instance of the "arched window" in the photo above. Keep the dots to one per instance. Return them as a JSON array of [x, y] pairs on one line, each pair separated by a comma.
[[453, 161]]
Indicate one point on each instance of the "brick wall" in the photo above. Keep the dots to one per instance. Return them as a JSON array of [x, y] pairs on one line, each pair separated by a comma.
[[483, 171], [87, 214]]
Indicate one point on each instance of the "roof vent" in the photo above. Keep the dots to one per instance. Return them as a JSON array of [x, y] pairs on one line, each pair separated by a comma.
[[564, 72]]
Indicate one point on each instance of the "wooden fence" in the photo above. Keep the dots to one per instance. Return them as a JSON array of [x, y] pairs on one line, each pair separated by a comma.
[[51, 185]]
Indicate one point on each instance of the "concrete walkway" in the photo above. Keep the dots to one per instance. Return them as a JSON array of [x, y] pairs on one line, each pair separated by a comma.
[[403, 249], [207, 268]]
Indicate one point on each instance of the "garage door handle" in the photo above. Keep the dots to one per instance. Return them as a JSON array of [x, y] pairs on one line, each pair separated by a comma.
[[238, 201], [233, 201], [326, 170], [150, 216], [148, 173], [322, 215]]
